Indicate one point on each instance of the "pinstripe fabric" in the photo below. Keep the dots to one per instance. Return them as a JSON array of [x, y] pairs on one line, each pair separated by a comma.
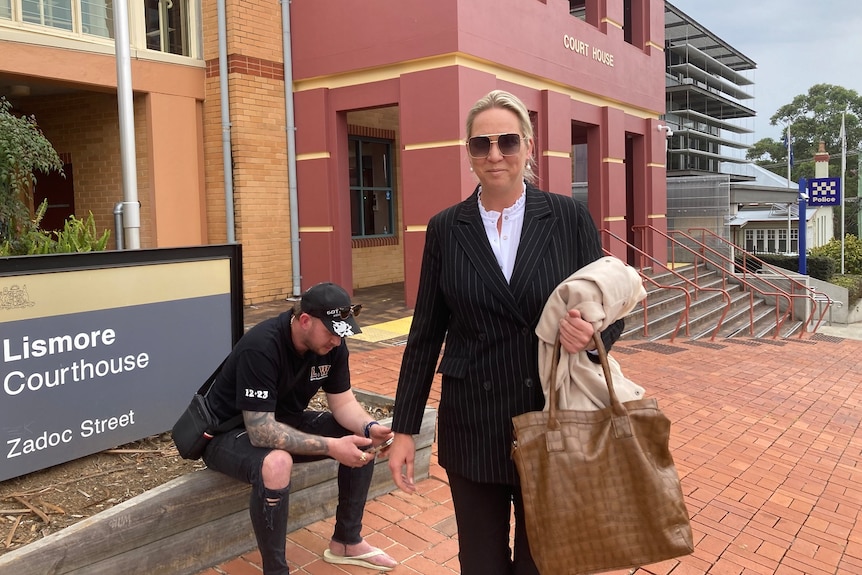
[[489, 364]]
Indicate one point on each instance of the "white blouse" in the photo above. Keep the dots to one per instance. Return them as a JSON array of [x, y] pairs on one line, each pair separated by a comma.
[[505, 242]]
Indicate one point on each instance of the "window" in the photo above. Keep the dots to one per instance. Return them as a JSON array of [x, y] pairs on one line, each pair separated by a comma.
[[97, 18], [371, 194], [579, 163], [771, 240], [167, 26], [749, 240], [578, 9], [782, 241], [627, 21], [53, 13]]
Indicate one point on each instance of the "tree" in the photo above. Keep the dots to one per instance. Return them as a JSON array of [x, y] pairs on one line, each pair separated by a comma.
[[816, 117], [24, 150]]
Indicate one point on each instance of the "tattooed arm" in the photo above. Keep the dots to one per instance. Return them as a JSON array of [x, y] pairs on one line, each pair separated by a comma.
[[265, 431]]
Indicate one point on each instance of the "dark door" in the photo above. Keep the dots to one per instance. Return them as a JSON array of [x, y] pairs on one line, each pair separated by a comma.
[[58, 189]]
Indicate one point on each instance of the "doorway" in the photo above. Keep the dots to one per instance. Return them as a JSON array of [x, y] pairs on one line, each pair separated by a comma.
[[59, 191]]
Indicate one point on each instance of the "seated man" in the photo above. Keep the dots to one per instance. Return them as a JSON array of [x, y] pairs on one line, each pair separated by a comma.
[[270, 376]]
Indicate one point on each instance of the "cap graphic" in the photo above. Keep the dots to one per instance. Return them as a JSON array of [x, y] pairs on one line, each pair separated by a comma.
[[330, 304]]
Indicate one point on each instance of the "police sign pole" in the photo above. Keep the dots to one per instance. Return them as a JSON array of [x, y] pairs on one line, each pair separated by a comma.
[[817, 192], [803, 208]]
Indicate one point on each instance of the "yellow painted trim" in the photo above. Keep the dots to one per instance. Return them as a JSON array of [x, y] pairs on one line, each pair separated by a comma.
[[422, 228], [655, 165], [654, 45], [656, 217], [612, 23], [313, 156], [513, 76], [552, 154], [431, 145], [613, 161], [323, 229], [615, 219]]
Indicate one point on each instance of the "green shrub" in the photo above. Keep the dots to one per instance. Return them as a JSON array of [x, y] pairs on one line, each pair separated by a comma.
[[852, 254], [817, 266], [81, 236], [852, 277], [853, 284], [24, 150], [76, 236]]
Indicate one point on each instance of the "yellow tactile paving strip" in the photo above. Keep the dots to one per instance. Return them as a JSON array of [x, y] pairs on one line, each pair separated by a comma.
[[384, 331]]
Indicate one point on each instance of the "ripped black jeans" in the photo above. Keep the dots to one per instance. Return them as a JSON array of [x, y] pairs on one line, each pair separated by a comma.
[[233, 454]]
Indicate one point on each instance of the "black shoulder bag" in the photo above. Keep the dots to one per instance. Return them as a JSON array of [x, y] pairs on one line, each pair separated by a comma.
[[197, 425]]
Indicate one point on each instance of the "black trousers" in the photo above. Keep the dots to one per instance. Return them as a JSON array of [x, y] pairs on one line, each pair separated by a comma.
[[233, 454], [483, 513]]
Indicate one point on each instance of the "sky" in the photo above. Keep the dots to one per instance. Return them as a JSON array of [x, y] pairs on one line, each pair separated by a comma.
[[795, 43]]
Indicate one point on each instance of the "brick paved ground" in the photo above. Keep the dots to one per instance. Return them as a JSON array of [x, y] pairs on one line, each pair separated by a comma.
[[765, 436]]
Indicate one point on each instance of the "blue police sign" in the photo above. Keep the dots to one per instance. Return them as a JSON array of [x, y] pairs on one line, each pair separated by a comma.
[[824, 191]]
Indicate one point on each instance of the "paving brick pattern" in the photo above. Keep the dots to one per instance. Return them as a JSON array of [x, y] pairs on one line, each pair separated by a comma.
[[766, 439]]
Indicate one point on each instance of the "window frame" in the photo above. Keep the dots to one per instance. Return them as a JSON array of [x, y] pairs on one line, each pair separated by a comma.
[[361, 189], [137, 28]]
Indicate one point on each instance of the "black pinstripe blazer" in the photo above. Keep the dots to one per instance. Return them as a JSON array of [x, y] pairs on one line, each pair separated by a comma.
[[490, 362]]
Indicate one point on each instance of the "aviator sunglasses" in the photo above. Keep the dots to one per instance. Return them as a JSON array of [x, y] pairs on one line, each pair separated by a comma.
[[480, 146], [346, 311]]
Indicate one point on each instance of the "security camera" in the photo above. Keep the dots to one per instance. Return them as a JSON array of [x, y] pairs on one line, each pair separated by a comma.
[[661, 128], [803, 196]]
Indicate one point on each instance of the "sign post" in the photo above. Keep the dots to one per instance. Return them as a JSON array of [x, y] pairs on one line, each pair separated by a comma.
[[803, 210], [817, 192]]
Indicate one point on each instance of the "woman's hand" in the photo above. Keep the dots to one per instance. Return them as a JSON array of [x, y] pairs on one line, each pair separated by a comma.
[[576, 334], [401, 457]]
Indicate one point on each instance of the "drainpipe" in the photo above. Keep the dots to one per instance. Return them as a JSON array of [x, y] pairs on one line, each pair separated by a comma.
[[118, 225], [125, 105], [225, 121], [291, 145]]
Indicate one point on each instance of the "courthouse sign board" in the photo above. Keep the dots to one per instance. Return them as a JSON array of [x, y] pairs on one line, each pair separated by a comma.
[[101, 349]]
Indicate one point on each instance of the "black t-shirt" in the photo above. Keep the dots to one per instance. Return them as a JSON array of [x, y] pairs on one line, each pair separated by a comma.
[[264, 372]]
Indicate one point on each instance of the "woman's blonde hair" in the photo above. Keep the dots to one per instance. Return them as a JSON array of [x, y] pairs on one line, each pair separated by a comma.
[[507, 101]]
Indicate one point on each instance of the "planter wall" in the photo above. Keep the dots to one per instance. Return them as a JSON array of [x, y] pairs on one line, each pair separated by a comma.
[[193, 522]]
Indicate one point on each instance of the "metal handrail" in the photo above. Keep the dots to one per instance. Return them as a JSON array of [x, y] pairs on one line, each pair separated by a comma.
[[683, 316], [695, 288], [779, 317], [815, 296]]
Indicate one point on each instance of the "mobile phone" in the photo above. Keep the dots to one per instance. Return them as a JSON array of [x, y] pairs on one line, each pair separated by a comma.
[[381, 447]]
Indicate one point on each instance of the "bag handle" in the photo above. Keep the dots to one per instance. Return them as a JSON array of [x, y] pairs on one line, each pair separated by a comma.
[[616, 406]]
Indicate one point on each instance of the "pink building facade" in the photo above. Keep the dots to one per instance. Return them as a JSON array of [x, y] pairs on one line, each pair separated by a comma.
[[594, 86]]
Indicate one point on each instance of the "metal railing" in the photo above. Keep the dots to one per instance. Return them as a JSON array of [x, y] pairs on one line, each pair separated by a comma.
[[797, 288], [710, 257], [644, 257]]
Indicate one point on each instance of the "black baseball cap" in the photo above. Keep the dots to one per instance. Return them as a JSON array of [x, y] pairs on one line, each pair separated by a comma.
[[330, 304]]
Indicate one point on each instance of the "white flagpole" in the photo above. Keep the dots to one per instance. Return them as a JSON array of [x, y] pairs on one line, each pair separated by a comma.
[[843, 137]]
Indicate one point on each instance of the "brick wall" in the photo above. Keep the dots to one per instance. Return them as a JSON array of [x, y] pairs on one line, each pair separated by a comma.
[[85, 129], [258, 146]]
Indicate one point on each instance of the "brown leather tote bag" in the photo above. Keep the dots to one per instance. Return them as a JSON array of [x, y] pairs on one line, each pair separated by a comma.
[[600, 488]]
